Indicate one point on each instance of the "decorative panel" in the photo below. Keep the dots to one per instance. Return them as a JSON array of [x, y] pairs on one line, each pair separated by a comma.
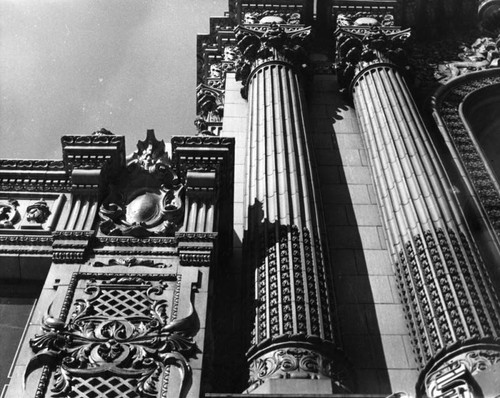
[[116, 336]]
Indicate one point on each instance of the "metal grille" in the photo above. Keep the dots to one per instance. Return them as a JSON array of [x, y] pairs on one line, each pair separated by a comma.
[[122, 303]]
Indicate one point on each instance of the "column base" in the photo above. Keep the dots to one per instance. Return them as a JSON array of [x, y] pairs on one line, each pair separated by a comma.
[[294, 387], [469, 371], [299, 367]]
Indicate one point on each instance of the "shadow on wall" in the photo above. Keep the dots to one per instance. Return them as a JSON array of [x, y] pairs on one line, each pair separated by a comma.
[[355, 305]]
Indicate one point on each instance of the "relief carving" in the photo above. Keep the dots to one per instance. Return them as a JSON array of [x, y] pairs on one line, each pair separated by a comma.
[[9, 214], [148, 197], [117, 339], [456, 378], [38, 212], [482, 54]]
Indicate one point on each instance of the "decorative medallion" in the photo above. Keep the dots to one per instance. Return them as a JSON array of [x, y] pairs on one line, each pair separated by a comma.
[[147, 198]]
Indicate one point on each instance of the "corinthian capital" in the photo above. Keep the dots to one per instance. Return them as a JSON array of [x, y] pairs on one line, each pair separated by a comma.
[[270, 42], [358, 47]]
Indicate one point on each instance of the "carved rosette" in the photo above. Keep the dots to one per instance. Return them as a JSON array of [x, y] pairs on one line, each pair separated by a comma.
[[359, 47]]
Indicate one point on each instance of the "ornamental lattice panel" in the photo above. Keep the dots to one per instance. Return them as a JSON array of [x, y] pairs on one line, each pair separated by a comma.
[[116, 336]]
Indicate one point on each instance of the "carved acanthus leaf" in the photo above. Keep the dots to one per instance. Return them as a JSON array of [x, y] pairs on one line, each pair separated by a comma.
[[359, 47], [96, 340], [271, 42]]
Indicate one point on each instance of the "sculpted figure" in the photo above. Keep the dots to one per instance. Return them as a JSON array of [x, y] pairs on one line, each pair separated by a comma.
[[215, 71], [9, 214], [38, 212]]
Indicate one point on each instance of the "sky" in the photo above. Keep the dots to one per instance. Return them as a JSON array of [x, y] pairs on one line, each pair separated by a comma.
[[70, 67]]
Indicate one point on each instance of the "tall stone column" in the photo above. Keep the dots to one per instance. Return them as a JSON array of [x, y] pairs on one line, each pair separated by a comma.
[[451, 308], [293, 336]]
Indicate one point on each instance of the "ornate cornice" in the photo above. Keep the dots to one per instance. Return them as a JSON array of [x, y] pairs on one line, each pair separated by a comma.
[[71, 246], [359, 47], [33, 175]]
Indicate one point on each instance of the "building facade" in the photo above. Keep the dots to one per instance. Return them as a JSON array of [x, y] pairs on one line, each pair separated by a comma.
[[332, 229]]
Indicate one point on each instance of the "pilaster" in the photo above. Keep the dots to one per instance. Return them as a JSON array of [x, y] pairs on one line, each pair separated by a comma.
[[451, 307]]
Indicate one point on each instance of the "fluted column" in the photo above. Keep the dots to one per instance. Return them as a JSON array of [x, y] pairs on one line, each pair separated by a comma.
[[451, 308], [293, 334]]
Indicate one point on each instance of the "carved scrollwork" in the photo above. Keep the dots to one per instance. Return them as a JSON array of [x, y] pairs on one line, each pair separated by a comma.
[[358, 48], [147, 199], [457, 377], [295, 363], [480, 55], [270, 42], [132, 342]]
